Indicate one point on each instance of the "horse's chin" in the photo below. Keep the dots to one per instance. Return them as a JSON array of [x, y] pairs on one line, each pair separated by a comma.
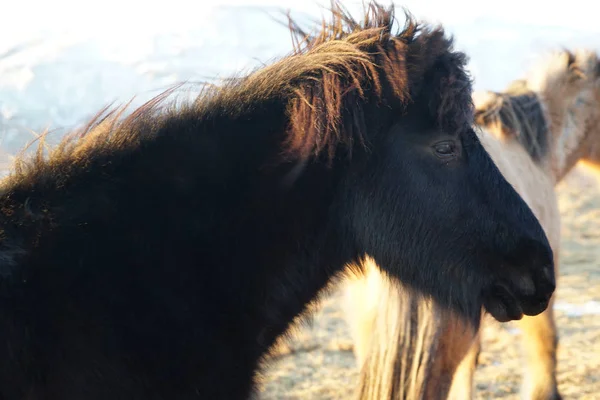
[[535, 307], [502, 304]]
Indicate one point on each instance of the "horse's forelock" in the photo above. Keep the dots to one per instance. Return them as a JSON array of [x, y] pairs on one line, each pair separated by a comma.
[[368, 59]]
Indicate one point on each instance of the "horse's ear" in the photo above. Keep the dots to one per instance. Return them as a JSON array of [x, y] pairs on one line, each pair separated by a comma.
[[570, 57], [576, 73], [582, 65]]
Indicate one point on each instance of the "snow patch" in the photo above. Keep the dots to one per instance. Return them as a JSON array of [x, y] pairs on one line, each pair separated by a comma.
[[578, 310]]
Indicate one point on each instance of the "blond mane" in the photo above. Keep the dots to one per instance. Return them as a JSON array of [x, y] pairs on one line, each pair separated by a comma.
[[516, 112]]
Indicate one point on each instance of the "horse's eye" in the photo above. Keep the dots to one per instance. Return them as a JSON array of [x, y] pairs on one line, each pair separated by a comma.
[[445, 149]]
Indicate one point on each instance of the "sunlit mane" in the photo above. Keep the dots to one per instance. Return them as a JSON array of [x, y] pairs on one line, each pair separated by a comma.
[[319, 84]]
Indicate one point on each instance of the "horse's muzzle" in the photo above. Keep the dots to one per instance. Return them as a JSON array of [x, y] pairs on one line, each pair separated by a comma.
[[524, 293]]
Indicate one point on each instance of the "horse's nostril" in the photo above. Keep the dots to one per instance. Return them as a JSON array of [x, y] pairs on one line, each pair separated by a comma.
[[548, 283], [548, 272]]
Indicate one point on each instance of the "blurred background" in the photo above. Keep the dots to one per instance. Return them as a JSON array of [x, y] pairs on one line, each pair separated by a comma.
[[61, 61]]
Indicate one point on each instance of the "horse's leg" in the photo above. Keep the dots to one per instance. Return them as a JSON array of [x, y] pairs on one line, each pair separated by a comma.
[[540, 342], [463, 381]]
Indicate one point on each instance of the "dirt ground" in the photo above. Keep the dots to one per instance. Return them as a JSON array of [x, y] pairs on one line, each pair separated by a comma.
[[319, 363]]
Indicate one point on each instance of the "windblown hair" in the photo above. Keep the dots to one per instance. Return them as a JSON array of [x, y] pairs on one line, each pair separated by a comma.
[[324, 85], [405, 61], [517, 112]]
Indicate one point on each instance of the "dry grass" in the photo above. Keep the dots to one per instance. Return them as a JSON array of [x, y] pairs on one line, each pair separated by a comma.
[[319, 363]]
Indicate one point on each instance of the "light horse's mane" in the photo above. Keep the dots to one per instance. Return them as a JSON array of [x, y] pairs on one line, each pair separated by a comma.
[[517, 111], [319, 83]]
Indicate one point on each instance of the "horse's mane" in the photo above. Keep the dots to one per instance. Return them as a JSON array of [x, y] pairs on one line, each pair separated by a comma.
[[405, 60], [323, 84], [516, 112]]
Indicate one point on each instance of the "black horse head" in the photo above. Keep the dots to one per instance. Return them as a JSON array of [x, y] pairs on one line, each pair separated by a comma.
[[160, 255]]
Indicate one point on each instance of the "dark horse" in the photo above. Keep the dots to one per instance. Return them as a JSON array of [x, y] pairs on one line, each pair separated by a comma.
[[159, 255]]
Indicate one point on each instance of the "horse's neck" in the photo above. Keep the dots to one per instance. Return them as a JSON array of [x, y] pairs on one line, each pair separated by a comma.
[[511, 158], [573, 138], [566, 149], [291, 247], [587, 151]]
